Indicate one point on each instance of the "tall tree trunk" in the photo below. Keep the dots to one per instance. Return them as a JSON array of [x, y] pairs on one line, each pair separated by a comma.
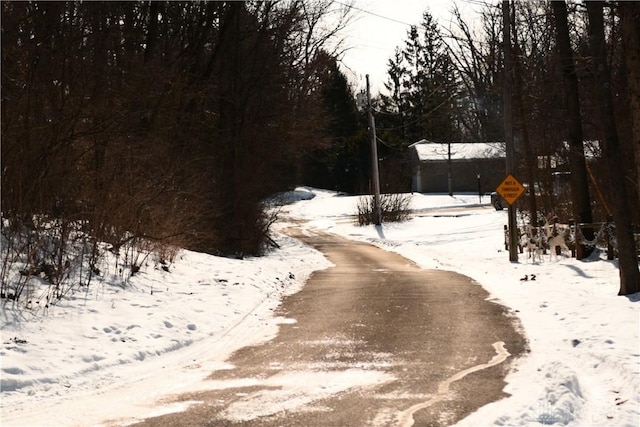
[[231, 138], [628, 258], [630, 16], [577, 163], [530, 157]]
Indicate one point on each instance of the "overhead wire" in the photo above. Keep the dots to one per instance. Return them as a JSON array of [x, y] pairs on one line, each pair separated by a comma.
[[350, 6], [389, 146], [422, 117], [480, 2]]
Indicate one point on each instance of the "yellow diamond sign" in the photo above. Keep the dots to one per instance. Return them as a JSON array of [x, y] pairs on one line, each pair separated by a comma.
[[510, 189]]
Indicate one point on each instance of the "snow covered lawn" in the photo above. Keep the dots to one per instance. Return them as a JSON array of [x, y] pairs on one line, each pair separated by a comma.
[[115, 349]]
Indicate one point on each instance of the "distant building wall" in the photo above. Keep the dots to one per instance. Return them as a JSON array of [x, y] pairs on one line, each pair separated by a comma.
[[431, 176]]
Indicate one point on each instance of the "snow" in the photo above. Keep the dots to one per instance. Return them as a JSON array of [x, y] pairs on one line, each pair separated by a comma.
[[460, 150], [115, 352]]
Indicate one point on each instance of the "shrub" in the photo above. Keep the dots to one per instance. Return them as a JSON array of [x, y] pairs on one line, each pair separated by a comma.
[[393, 208]]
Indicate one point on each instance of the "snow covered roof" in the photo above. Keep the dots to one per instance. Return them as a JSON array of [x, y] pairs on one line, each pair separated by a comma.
[[459, 150]]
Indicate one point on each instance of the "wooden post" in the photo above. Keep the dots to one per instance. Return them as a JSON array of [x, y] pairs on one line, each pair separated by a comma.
[[573, 226], [375, 176], [449, 172], [508, 124], [608, 225]]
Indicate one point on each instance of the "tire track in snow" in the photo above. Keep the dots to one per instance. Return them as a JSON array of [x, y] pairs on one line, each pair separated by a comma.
[[406, 417]]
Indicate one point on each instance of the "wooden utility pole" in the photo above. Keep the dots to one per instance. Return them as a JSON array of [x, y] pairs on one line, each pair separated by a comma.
[[508, 126], [449, 172], [377, 216]]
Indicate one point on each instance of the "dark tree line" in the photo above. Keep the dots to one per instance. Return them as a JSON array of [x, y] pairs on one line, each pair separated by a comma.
[[173, 121], [342, 162], [424, 85], [170, 121]]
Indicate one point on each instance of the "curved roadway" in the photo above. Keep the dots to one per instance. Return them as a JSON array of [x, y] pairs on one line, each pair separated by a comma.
[[374, 341]]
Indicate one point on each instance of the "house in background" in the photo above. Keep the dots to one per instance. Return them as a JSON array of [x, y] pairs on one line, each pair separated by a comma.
[[457, 167]]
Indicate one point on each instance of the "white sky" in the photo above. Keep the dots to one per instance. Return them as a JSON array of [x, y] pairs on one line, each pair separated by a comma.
[[373, 39]]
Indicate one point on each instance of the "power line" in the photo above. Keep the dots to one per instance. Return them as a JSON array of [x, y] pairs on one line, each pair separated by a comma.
[[350, 6], [389, 146], [475, 2]]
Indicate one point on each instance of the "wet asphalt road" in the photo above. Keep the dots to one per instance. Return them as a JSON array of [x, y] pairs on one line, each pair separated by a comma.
[[411, 338]]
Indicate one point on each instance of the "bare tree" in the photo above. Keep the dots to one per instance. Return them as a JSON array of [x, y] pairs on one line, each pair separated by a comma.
[[577, 162], [628, 258], [476, 55], [519, 94], [630, 16]]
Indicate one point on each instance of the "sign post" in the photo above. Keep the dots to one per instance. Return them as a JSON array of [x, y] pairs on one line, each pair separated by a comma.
[[508, 120], [510, 189]]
